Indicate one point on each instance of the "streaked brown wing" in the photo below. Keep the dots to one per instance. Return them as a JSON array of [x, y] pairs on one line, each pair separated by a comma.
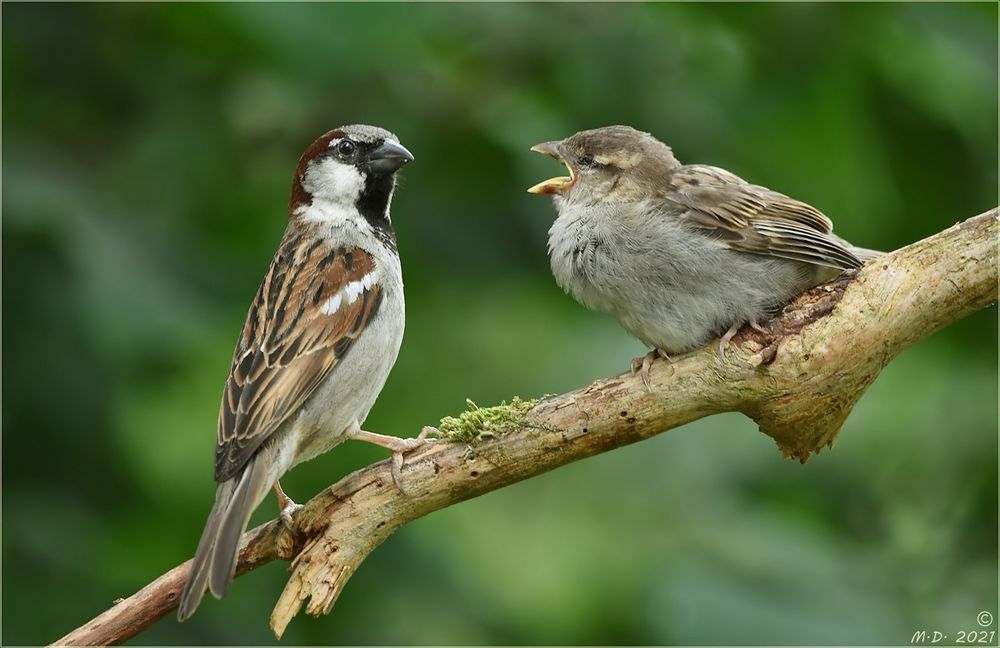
[[313, 304], [754, 219]]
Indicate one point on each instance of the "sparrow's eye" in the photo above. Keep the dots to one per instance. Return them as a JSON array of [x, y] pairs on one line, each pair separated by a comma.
[[346, 148], [586, 161]]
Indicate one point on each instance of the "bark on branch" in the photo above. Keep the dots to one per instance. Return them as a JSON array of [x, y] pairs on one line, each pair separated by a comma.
[[798, 381]]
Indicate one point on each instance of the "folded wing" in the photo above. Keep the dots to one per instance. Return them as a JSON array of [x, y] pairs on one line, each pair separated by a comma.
[[754, 219], [313, 304]]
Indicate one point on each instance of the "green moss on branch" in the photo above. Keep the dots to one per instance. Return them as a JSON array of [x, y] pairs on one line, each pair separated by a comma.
[[478, 423]]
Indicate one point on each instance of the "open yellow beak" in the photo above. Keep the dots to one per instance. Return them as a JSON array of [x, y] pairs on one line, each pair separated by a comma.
[[552, 185]]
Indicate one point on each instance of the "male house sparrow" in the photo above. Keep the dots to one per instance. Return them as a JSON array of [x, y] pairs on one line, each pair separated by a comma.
[[317, 344], [679, 254]]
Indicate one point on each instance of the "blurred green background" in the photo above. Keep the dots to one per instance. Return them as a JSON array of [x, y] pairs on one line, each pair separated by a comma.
[[147, 155]]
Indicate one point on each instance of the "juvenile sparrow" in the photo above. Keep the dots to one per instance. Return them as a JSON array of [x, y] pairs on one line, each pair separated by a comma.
[[679, 254], [317, 344]]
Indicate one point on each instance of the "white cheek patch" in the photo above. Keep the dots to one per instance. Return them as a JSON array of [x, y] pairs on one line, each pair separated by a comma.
[[333, 181]]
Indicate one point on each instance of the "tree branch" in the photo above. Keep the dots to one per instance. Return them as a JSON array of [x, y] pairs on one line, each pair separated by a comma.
[[798, 381]]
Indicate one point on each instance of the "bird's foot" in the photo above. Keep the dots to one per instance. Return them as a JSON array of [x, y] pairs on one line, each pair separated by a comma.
[[288, 514], [728, 335], [725, 339], [643, 363], [398, 446], [286, 507]]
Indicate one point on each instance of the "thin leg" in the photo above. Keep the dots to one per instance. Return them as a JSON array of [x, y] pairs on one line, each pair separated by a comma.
[[757, 327], [286, 506], [724, 342], [398, 447]]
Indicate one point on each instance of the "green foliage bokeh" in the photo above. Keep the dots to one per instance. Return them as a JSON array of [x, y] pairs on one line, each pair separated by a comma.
[[147, 154]]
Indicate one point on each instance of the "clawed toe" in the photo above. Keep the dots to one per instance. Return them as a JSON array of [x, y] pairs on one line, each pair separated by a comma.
[[398, 447], [410, 444], [287, 514], [642, 364], [397, 470], [406, 445], [729, 334], [420, 440], [725, 339], [286, 507]]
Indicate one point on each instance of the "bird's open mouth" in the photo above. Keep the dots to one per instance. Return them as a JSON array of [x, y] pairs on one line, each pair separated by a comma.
[[552, 185]]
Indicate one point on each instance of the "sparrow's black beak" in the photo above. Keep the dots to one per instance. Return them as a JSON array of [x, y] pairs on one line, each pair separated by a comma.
[[388, 157]]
